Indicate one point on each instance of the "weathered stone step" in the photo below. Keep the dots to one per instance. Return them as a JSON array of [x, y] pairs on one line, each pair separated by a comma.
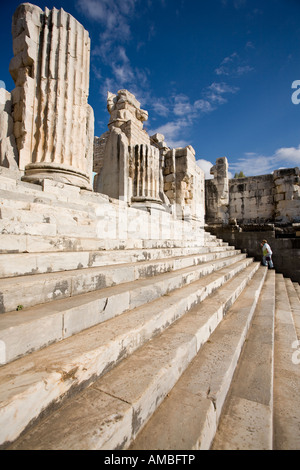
[[80, 217], [62, 228], [188, 417], [32, 244], [286, 417], [49, 192], [33, 218], [246, 421], [20, 264], [23, 211], [68, 198], [294, 303], [48, 228], [34, 328], [123, 398], [27, 291]]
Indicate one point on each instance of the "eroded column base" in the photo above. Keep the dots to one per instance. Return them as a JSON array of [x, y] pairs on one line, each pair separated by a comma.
[[37, 172]]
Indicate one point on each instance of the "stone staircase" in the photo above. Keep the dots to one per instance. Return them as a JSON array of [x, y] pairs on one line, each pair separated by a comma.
[[134, 344]]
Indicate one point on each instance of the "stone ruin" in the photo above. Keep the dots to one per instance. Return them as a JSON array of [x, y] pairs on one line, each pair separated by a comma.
[[243, 211], [143, 170], [47, 125], [257, 200]]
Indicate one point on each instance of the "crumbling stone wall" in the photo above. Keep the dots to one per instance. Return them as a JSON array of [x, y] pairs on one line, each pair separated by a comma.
[[273, 198], [184, 182], [251, 199], [287, 195], [258, 207]]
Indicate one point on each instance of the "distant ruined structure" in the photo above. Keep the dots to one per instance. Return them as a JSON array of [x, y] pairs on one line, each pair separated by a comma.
[[124, 323], [243, 211], [273, 199]]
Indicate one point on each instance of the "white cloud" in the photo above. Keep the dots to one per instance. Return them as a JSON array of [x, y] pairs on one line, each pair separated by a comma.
[[253, 164], [112, 14], [171, 130], [185, 112], [160, 107], [182, 105], [289, 155], [203, 105], [122, 73], [249, 45], [215, 92], [233, 65], [115, 18], [243, 69], [205, 165]]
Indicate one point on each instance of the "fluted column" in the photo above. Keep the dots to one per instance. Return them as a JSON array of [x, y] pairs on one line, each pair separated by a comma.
[[53, 122], [145, 173]]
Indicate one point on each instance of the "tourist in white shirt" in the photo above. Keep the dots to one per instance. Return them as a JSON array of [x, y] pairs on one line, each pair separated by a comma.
[[267, 254]]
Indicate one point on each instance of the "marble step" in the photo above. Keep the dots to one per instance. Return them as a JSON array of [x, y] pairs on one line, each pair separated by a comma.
[[55, 195], [27, 291], [31, 329], [286, 415], [49, 192], [109, 413], [11, 243], [20, 264], [47, 228], [106, 216], [246, 421], [23, 211], [294, 303], [189, 415], [62, 228]]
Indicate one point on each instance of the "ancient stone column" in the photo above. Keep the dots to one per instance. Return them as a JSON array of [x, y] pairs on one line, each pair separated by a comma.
[[53, 123]]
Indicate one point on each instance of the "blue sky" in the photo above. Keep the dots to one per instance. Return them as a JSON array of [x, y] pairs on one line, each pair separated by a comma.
[[214, 74]]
